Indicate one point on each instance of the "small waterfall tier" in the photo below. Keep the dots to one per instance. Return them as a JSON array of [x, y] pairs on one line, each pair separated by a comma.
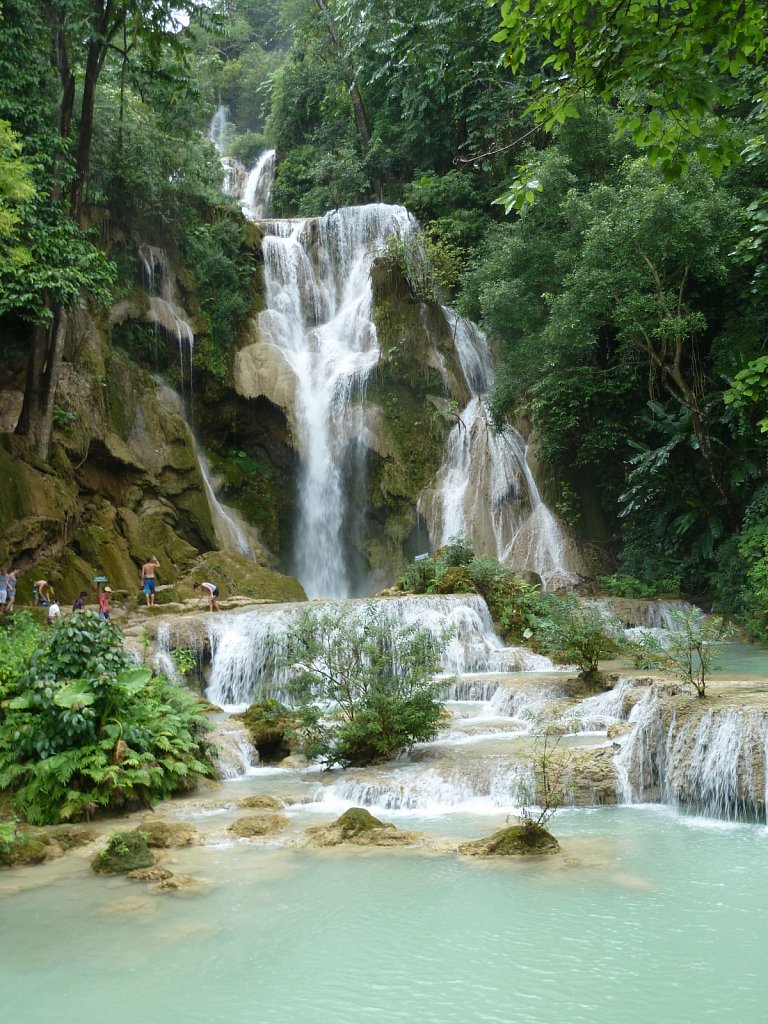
[[258, 184], [243, 645], [707, 760]]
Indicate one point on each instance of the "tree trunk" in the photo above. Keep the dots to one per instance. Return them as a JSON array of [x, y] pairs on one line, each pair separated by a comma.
[[36, 419]]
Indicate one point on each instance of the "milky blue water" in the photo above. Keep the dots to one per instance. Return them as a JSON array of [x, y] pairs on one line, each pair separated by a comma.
[[645, 916]]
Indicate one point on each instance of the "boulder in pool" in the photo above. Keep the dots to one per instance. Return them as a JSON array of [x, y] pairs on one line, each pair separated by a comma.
[[358, 827], [528, 839]]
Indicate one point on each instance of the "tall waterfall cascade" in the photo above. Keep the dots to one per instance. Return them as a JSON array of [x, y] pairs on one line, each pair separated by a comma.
[[319, 318]]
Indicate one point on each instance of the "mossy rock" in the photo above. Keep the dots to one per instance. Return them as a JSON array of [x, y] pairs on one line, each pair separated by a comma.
[[25, 850], [525, 840], [455, 580], [258, 825], [163, 835], [125, 851], [270, 725], [356, 820], [358, 827], [235, 575]]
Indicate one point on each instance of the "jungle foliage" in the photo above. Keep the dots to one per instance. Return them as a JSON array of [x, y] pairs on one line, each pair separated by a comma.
[[82, 728], [624, 288]]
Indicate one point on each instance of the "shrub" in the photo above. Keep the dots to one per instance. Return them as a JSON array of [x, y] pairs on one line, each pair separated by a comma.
[[576, 634], [366, 689], [84, 728], [688, 652]]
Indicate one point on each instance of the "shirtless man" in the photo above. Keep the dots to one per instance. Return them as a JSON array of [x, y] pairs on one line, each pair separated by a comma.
[[148, 578], [44, 593]]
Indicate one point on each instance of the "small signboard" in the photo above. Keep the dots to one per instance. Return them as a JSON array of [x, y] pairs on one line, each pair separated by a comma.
[[420, 558], [100, 579]]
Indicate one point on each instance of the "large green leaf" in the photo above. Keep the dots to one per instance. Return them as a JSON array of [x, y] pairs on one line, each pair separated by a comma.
[[72, 695]]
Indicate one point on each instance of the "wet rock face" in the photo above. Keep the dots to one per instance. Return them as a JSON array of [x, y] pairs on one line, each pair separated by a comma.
[[526, 840]]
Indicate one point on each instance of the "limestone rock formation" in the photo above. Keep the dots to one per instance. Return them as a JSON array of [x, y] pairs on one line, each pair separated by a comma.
[[258, 825], [358, 827]]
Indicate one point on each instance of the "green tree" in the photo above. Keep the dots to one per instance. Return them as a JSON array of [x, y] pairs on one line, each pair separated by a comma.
[[690, 652], [366, 688], [667, 66], [577, 634]]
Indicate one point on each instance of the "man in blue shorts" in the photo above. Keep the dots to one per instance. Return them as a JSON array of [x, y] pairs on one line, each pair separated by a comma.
[[148, 578]]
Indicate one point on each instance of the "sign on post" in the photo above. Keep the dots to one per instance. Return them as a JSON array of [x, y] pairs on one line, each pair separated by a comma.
[[420, 558]]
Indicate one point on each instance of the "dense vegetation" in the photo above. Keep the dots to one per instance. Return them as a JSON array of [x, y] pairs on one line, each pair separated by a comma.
[[82, 728], [624, 289]]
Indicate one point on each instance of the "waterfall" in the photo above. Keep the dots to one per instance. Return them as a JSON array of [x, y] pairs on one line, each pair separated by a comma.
[[319, 318], [485, 489], [166, 314], [255, 200], [217, 130], [484, 786], [243, 645], [231, 531], [712, 761]]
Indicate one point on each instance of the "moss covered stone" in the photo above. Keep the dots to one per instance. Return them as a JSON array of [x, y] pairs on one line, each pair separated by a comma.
[[235, 575], [527, 839], [358, 827], [270, 725], [125, 851], [258, 825]]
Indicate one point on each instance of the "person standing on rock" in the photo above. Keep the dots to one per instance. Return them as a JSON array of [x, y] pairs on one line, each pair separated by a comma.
[[10, 591], [212, 591], [148, 578]]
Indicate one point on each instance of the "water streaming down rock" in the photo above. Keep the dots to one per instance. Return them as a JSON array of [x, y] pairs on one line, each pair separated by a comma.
[[485, 489], [712, 761], [319, 319], [232, 532], [482, 785], [258, 184], [166, 314], [242, 645]]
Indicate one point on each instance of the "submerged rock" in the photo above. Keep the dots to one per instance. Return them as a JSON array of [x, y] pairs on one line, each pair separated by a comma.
[[358, 827], [527, 839], [153, 874]]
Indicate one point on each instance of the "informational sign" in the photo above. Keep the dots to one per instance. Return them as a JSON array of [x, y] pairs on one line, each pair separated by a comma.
[[100, 579], [420, 558]]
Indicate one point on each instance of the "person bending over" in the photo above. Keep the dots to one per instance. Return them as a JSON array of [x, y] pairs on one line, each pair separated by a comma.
[[212, 591]]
